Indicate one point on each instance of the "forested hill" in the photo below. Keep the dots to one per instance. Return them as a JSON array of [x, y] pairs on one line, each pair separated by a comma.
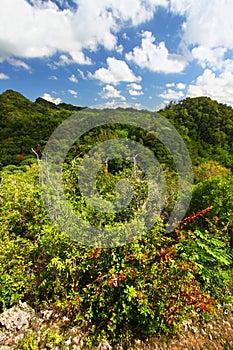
[[205, 125], [25, 124]]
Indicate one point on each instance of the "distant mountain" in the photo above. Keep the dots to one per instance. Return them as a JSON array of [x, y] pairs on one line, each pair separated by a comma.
[[67, 106], [205, 125]]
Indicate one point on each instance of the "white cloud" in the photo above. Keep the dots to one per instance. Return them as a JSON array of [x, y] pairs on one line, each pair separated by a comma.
[[118, 104], [53, 77], [18, 63], [135, 11], [119, 48], [135, 89], [208, 23], [156, 58], [181, 86], [218, 87], [77, 57], [135, 92], [73, 79], [117, 71], [134, 86], [170, 85], [82, 75], [171, 94], [110, 92], [43, 29], [180, 6], [73, 92], [63, 60], [213, 58], [49, 98], [125, 36], [3, 76]]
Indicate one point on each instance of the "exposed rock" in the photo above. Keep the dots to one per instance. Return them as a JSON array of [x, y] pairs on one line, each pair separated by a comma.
[[104, 345], [17, 317], [46, 314], [20, 321]]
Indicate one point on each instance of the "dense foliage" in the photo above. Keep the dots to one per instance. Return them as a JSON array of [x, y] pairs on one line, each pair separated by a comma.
[[146, 287], [25, 125], [206, 126]]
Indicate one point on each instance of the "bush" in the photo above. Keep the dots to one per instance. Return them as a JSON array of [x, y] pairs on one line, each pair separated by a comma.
[[137, 290]]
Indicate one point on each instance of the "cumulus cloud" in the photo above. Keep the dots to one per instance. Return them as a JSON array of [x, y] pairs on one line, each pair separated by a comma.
[[46, 96], [156, 58], [73, 92], [135, 11], [179, 86], [207, 23], [3, 76], [135, 89], [206, 57], [41, 29], [135, 92], [218, 87], [73, 79], [110, 92], [78, 57], [171, 94], [117, 71], [134, 86]]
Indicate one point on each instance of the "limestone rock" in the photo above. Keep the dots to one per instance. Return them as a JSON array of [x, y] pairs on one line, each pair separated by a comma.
[[17, 317]]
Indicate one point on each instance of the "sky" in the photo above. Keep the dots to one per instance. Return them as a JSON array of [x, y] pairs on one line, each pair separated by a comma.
[[111, 53]]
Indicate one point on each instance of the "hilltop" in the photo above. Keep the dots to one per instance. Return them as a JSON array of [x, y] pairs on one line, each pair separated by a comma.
[[206, 126]]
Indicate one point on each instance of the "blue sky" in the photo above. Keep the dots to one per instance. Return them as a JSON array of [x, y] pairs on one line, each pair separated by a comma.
[[109, 53]]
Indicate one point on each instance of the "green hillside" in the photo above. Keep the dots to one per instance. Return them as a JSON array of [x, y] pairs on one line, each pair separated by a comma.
[[25, 125], [205, 125]]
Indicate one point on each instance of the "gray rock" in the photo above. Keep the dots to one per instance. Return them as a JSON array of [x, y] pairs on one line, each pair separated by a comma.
[[17, 317], [104, 345], [46, 314]]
